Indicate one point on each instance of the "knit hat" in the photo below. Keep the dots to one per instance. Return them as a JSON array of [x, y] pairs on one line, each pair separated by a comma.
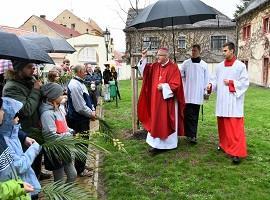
[[52, 91], [19, 65]]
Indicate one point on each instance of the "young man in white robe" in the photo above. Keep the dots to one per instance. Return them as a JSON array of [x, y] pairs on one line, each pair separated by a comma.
[[195, 78], [230, 83]]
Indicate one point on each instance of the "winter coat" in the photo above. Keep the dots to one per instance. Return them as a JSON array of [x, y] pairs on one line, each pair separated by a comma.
[[53, 125], [5, 161], [97, 78], [107, 76], [89, 78], [13, 190], [22, 161], [23, 91]]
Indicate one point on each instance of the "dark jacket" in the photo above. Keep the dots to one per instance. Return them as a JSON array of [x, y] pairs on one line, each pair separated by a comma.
[[23, 91], [106, 76], [97, 77]]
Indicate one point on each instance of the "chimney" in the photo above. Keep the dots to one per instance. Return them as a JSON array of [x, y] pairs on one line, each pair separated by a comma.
[[43, 16]]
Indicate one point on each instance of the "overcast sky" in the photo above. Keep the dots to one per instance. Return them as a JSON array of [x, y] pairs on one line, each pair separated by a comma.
[[105, 12]]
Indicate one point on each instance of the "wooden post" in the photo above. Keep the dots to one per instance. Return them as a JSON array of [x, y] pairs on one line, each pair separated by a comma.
[[134, 95]]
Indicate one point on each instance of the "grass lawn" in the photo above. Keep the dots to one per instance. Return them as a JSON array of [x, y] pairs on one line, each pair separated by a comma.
[[190, 172]]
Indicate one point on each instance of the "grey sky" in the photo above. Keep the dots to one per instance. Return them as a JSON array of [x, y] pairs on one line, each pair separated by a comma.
[[105, 12]]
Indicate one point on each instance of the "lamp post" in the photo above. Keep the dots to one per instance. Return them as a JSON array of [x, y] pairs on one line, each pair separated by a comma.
[[107, 40]]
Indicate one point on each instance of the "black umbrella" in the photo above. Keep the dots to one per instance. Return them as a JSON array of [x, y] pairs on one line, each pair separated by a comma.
[[51, 44], [173, 12], [13, 47]]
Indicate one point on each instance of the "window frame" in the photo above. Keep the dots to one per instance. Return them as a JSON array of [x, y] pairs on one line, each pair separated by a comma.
[[185, 42], [264, 24], [221, 44], [246, 32]]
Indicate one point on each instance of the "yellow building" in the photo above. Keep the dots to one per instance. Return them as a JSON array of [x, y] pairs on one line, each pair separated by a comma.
[[69, 20]]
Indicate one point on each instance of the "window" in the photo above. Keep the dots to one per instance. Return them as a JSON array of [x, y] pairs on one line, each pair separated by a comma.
[[217, 42], [246, 63], [152, 43], [182, 42], [87, 54], [246, 32], [34, 28], [266, 25], [73, 26]]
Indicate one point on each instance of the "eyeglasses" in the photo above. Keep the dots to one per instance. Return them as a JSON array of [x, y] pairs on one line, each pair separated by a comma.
[[67, 64]]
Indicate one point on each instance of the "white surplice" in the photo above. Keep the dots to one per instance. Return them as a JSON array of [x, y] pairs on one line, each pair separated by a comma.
[[230, 104], [195, 78]]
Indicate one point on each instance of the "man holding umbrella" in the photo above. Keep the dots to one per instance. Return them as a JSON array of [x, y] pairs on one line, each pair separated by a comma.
[[161, 102]]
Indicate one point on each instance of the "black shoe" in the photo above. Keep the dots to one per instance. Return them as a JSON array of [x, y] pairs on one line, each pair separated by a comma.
[[44, 176], [192, 140], [154, 151], [235, 160]]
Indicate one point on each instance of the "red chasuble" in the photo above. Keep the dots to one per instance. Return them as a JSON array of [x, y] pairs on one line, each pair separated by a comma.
[[157, 114], [231, 129]]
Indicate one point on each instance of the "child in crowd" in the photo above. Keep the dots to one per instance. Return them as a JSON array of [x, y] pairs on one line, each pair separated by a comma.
[[14, 162], [54, 125]]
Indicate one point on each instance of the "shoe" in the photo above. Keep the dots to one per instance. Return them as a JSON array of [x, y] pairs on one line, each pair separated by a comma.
[[236, 160], [192, 140], [44, 176], [154, 151], [86, 173]]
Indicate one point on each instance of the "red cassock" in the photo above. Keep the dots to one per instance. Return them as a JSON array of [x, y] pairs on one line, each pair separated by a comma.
[[156, 113], [232, 136], [231, 130]]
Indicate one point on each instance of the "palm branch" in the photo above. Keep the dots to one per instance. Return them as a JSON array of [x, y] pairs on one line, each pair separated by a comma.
[[66, 191], [62, 148]]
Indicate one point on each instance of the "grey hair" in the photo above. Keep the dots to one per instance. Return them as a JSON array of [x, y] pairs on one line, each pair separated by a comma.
[[167, 53], [78, 68]]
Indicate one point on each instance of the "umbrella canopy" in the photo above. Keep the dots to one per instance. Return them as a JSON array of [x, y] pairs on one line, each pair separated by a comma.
[[173, 12], [16, 48], [51, 44]]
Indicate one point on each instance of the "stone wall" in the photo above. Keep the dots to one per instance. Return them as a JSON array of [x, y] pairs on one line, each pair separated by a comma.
[[256, 48], [134, 41]]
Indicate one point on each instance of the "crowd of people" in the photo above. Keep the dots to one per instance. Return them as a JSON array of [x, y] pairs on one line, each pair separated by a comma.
[[171, 98], [53, 110], [168, 107]]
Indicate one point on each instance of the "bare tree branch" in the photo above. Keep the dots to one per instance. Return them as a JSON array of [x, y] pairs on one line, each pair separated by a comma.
[[135, 9], [122, 8], [121, 17]]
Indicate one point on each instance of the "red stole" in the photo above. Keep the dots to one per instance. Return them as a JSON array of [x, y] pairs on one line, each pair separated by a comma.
[[229, 63], [156, 114]]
